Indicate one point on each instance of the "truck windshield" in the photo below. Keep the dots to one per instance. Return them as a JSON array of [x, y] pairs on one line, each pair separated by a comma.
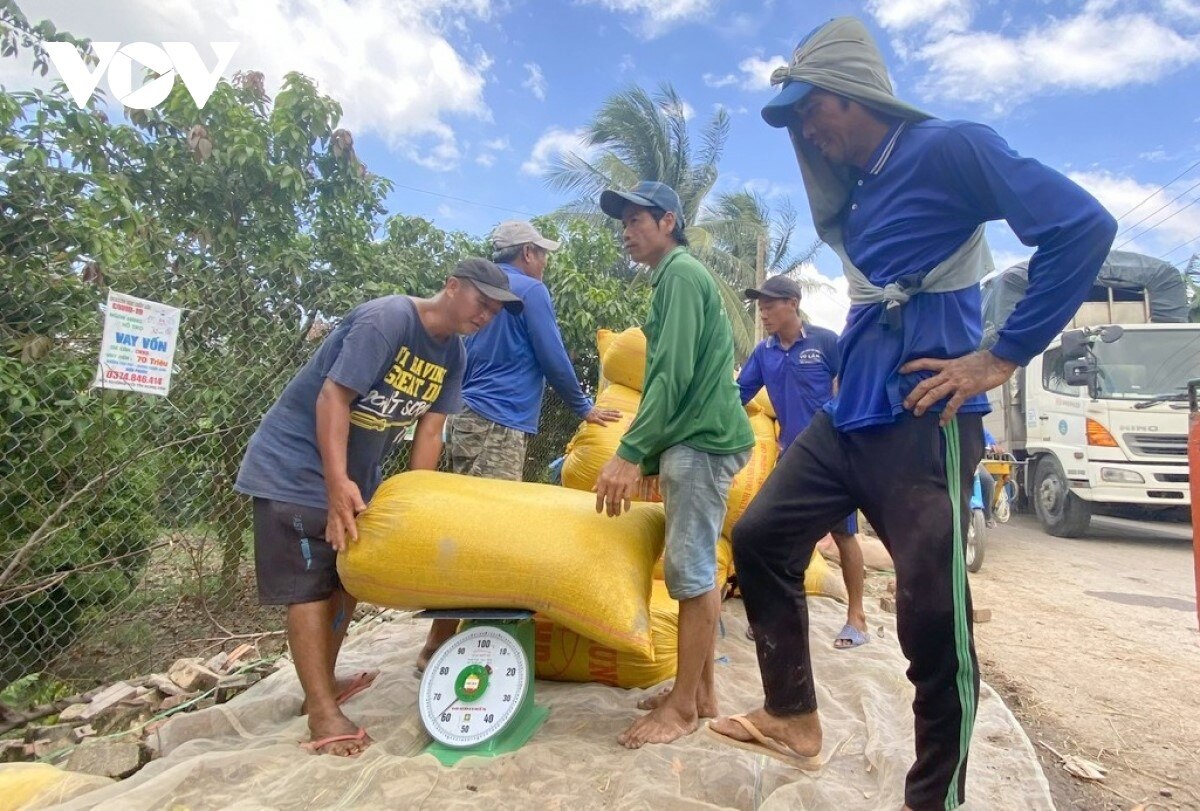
[[1147, 364]]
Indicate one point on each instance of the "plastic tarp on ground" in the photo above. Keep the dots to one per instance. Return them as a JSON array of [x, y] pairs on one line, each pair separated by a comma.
[[1122, 271], [244, 754]]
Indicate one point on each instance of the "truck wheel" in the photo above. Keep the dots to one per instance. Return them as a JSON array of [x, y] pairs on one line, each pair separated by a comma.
[[1062, 513], [976, 540]]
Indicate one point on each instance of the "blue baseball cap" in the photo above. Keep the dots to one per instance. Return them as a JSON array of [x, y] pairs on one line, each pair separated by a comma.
[[648, 193], [781, 111]]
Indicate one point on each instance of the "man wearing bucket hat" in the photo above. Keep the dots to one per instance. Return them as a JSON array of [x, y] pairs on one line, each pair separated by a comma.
[[690, 432], [315, 461], [508, 364], [902, 198], [798, 364]]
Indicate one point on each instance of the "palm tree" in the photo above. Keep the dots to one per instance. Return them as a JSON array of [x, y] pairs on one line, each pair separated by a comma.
[[640, 136]]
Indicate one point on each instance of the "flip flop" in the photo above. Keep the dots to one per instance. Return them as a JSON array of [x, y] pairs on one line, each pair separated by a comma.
[[763, 745], [316, 746], [852, 635], [360, 682]]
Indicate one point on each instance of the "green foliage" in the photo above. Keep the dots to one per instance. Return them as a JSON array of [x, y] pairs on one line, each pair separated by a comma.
[[256, 217]]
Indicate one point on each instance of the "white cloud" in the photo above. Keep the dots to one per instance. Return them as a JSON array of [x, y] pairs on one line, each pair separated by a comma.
[[902, 15], [1182, 9], [392, 66], [713, 80], [489, 149], [1098, 48], [756, 71], [828, 305], [626, 65], [1086, 52], [553, 143], [656, 17], [1166, 223], [536, 82]]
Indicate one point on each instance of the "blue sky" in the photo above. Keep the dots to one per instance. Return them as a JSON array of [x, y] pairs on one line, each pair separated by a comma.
[[470, 98]]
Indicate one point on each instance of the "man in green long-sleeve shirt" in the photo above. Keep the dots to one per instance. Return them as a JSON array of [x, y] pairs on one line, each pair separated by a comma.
[[690, 433]]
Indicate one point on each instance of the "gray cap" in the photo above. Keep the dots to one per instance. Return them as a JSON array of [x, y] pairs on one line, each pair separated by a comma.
[[648, 193], [491, 281], [511, 233], [779, 286]]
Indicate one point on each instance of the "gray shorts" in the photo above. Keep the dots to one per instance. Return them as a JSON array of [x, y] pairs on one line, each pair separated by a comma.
[[695, 487], [293, 561]]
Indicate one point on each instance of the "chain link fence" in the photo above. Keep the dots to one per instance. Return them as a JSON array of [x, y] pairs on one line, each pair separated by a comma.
[[124, 545]]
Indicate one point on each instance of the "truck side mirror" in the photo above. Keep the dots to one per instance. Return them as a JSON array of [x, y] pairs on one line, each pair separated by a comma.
[[1074, 344], [1078, 372], [1112, 333]]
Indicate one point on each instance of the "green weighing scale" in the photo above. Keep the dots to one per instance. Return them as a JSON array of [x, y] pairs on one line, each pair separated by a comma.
[[476, 695]]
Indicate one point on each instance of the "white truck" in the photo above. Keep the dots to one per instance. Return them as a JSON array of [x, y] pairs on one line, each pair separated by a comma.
[[1100, 418]]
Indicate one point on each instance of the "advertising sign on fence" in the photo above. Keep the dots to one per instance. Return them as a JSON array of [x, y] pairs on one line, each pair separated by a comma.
[[138, 347]]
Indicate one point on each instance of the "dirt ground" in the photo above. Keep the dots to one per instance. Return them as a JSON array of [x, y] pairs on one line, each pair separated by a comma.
[[1094, 644]]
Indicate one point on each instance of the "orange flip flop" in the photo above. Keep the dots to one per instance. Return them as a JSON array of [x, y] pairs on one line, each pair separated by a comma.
[[360, 682], [316, 746], [764, 745]]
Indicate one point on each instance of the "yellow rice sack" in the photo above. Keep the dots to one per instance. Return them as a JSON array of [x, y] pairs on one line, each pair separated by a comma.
[[761, 404], [40, 785], [748, 482], [624, 359], [439, 540], [563, 655], [593, 445], [603, 341]]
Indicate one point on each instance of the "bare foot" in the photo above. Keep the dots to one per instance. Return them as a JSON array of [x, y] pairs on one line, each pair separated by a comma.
[[661, 725], [800, 733], [424, 656], [334, 726], [706, 707]]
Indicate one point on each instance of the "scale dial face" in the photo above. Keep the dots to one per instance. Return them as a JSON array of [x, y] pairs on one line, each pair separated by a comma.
[[473, 686]]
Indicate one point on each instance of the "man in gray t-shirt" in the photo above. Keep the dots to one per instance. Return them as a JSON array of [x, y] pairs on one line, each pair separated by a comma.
[[315, 461]]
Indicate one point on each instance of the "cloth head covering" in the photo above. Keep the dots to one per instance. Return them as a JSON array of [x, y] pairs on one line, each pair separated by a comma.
[[841, 57]]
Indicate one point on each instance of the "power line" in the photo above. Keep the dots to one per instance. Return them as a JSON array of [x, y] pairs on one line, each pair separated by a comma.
[[1173, 214], [1160, 208], [465, 200], [1177, 247], [1159, 189]]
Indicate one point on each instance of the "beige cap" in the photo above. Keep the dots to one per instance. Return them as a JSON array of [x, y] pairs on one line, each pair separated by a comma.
[[518, 232]]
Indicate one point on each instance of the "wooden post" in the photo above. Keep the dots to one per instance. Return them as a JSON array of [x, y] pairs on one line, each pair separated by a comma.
[[760, 276]]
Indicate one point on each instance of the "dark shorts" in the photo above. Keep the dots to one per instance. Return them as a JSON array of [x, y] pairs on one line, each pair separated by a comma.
[[293, 561]]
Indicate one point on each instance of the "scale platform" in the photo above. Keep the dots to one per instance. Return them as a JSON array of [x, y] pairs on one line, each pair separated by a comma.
[[477, 693]]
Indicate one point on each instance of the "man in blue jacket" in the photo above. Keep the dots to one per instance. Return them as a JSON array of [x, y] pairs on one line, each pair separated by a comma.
[[902, 198], [508, 364]]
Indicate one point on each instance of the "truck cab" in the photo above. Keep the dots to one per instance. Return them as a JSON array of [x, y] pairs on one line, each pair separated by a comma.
[[1101, 417]]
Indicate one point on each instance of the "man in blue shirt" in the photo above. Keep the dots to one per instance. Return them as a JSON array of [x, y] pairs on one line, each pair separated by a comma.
[[902, 198], [799, 364], [508, 364]]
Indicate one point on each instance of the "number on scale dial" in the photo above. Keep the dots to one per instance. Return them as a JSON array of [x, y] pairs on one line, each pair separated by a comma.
[[473, 686]]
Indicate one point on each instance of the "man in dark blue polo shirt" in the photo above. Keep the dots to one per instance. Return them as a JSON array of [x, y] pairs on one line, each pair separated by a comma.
[[902, 198], [799, 364]]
